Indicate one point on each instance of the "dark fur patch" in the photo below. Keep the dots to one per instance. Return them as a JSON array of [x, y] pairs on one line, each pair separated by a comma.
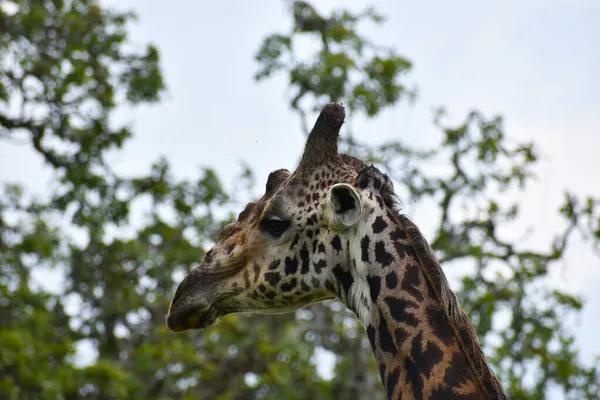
[[344, 278], [377, 183], [286, 287], [272, 278], [401, 335], [412, 275], [304, 258], [322, 248], [363, 182], [399, 310], [403, 250], [385, 339], [295, 241], [274, 264], [374, 287], [382, 371], [427, 359], [411, 281], [413, 376], [381, 255], [458, 372], [440, 324], [336, 243], [397, 234], [371, 334], [271, 294], [312, 220], [319, 265], [364, 247], [392, 382], [391, 280], [379, 225], [291, 265]]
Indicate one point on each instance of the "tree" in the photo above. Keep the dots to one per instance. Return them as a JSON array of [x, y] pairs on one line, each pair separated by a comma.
[[65, 67]]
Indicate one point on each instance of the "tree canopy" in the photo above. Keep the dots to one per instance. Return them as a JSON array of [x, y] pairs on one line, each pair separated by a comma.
[[66, 67]]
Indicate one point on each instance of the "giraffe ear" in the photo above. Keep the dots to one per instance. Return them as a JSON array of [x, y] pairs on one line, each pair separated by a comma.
[[276, 178], [344, 207]]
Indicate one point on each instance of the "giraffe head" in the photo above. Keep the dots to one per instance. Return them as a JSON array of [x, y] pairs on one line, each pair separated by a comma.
[[284, 251], [331, 229]]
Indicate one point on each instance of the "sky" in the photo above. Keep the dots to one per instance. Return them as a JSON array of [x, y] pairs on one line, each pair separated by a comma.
[[530, 61]]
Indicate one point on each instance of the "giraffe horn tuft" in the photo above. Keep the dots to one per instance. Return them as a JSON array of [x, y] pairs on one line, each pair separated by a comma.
[[322, 142]]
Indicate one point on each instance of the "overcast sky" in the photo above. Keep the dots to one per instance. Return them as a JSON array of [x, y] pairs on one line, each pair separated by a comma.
[[530, 61]]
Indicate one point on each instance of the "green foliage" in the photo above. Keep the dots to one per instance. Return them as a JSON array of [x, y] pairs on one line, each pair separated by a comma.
[[68, 65], [65, 67], [347, 68]]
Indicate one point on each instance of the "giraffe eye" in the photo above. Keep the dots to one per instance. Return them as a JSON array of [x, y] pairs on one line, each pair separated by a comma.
[[275, 227]]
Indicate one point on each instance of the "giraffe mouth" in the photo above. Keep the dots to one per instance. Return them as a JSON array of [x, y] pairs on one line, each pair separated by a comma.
[[191, 310], [188, 318], [196, 303]]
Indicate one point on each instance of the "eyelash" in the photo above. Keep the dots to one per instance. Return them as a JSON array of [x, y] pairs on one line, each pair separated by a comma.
[[274, 227]]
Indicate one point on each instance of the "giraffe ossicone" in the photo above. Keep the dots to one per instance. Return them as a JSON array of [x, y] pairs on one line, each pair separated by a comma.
[[333, 228]]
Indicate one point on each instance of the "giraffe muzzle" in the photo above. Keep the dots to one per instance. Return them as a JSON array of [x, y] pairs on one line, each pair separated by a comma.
[[184, 320], [189, 308]]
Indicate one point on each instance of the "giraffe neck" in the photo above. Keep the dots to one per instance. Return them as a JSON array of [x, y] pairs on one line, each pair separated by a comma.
[[405, 310]]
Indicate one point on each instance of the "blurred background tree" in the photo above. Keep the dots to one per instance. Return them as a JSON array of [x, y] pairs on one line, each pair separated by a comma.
[[66, 66]]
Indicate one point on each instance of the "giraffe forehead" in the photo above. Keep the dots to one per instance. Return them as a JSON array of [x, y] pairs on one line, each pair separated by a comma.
[[300, 195]]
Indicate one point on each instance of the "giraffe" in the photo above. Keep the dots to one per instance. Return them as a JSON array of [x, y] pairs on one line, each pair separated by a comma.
[[333, 228]]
